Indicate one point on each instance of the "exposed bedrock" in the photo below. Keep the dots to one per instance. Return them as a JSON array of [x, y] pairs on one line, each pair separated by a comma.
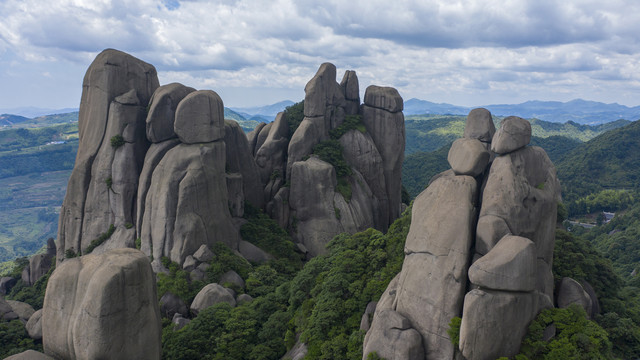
[[116, 91]]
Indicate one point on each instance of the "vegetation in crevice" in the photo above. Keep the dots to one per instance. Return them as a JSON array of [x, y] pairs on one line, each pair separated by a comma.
[[100, 239]]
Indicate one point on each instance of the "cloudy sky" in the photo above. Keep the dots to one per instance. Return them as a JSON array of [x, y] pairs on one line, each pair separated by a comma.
[[257, 52]]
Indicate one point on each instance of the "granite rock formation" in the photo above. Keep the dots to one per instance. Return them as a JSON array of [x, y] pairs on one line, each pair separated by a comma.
[[480, 247], [313, 198], [103, 185], [102, 307]]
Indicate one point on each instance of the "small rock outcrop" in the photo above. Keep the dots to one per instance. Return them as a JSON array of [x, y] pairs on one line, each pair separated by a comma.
[[480, 247], [102, 307], [29, 355], [210, 295]]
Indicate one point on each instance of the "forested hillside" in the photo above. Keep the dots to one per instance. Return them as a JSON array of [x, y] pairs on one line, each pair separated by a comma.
[[609, 161]]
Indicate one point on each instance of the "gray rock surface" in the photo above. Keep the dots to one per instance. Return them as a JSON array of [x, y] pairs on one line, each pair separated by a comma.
[[39, 266], [432, 282], [384, 121], [312, 199], [510, 266], [489, 316], [171, 304], [396, 339], [6, 312], [240, 160], [479, 125], [22, 309], [351, 91], [252, 137], [385, 98], [116, 90], [34, 325], [200, 118], [595, 304], [152, 158], [189, 264], [29, 355], [179, 321], [233, 278], [514, 133], [244, 298], [102, 306], [235, 194], [203, 254], [272, 154], [187, 203], [261, 137], [571, 292], [523, 190], [489, 231], [252, 252], [367, 317], [210, 295], [468, 157], [297, 352], [162, 111], [6, 284], [361, 154]]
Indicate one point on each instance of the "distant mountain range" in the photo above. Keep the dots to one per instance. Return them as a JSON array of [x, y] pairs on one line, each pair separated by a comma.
[[579, 111], [265, 113], [31, 112]]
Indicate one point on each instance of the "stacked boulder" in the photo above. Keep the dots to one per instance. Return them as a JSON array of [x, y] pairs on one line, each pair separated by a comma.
[[184, 191], [306, 194], [480, 247]]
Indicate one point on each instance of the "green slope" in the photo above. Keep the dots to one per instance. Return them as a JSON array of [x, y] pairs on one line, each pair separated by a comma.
[[609, 161]]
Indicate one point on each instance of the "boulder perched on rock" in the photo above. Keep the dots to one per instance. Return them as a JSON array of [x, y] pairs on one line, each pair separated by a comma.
[[200, 118], [514, 133], [210, 295], [162, 111], [102, 307], [468, 157], [496, 219], [510, 265], [111, 124], [479, 125]]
